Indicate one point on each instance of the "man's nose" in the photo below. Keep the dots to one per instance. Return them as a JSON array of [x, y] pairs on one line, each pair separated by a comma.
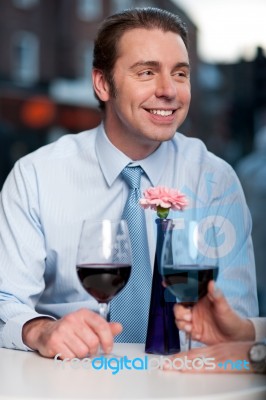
[[165, 86]]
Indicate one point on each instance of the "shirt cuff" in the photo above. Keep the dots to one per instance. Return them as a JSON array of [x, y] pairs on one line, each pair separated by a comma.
[[259, 324], [12, 331]]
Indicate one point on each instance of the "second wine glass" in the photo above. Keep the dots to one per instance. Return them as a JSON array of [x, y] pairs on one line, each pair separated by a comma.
[[189, 261]]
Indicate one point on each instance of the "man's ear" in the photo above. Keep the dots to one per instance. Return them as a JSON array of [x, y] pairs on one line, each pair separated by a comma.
[[100, 85]]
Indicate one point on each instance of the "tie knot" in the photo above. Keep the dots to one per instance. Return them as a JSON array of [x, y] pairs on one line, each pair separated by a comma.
[[132, 176]]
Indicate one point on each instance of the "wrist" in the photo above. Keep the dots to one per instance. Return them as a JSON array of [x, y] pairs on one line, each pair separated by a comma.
[[32, 330], [246, 331]]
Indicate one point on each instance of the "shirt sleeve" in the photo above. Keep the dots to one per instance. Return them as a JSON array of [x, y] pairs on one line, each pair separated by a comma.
[[22, 254], [11, 331]]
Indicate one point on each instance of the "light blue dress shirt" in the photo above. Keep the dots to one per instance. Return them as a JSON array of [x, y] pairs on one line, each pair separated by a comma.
[[51, 191]]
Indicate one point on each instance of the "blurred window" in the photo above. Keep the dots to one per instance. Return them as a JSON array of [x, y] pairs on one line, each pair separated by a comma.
[[85, 54], [118, 5], [89, 10], [25, 57], [144, 3], [25, 3]]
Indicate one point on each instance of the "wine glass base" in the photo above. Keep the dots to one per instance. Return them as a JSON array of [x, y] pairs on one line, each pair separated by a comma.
[[100, 356]]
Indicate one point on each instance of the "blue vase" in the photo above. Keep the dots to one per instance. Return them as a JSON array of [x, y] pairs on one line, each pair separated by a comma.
[[162, 333]]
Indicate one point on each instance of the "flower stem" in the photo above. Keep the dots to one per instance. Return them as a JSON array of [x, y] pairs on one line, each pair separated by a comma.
[[162, 212]]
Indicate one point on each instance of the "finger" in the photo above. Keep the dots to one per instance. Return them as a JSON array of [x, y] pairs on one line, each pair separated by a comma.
[[89, 343], [216, 296], [79, 338], [188, 328], [75, 331], [116, 328], [183, 326], [182, 313], [102, 330], [91, 329], [214, 293]]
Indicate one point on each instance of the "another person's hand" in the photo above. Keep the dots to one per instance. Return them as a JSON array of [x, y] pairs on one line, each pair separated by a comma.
[[75, 335], [236, 352], [212, 320]]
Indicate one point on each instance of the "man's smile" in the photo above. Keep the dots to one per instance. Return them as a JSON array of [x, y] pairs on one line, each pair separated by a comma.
[[161, 112]]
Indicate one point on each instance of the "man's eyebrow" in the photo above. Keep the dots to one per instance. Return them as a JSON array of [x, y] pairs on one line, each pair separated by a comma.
[[182, 65], [156, 64], [143, 63]]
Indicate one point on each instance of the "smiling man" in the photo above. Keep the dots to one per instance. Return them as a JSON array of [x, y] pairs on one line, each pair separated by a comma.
[[141, 77], [150, 93]]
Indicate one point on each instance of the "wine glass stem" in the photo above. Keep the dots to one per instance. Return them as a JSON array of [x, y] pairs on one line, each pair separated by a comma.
[[188, 341], [103, 310]]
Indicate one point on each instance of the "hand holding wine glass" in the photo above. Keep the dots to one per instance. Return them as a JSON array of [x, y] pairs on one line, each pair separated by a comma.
[[104, 260], [212, 320], [189, 261]]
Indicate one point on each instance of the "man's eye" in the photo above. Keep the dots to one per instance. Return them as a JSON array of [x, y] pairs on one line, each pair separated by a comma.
[[181, 74], [145, 73]]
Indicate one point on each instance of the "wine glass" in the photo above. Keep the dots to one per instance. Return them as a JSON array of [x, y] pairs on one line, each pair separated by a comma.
[[104, 260], [189, 261]]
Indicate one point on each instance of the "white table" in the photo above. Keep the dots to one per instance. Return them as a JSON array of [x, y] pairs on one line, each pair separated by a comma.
[[26, 375]]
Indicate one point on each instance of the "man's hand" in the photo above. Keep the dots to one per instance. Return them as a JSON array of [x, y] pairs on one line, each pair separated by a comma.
[[212, 320], [74, 335], [236, 352]]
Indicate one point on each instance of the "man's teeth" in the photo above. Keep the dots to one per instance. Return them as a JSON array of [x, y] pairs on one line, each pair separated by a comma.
[[162, 112]]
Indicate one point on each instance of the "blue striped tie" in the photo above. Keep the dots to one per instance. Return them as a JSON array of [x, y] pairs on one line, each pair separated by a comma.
[[131, 306]]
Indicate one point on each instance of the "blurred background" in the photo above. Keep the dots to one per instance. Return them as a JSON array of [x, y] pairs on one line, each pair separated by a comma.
[[45, 86]]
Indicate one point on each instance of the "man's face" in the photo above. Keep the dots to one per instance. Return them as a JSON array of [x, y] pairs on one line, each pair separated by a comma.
[[151, 78]]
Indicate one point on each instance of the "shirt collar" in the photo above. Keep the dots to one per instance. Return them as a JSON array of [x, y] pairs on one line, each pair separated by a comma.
[[112, 161]]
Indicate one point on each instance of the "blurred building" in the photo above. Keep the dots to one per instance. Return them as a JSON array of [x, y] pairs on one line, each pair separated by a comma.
[[45, 87], [233, 106], [45, 66], [251, 171]]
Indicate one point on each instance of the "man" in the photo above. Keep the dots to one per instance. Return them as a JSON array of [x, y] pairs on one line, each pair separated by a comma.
[[141, 78], [228, 336]]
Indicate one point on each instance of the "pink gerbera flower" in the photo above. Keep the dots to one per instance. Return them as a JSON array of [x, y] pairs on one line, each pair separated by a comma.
[[162, 199]]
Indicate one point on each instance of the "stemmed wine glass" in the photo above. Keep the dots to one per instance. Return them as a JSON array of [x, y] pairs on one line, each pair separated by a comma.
[[189, 261], [104, 260]]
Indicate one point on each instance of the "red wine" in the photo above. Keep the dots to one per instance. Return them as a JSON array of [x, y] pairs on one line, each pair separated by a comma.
[[189, 283], [103, 281]]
